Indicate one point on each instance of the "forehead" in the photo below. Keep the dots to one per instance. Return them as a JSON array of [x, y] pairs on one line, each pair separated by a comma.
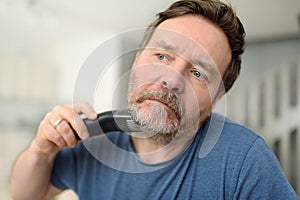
[[193, 37], [179, 44]]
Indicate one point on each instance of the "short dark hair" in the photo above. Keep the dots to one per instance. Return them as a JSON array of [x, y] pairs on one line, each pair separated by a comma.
[[220, 14]]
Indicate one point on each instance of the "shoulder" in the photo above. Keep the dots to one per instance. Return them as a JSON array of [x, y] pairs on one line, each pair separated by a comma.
[[224, 135], [248, 161], [237, 133], [231, 127], [235, 142]]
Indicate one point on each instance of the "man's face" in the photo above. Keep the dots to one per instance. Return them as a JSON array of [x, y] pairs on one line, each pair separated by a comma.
[[175, 79]]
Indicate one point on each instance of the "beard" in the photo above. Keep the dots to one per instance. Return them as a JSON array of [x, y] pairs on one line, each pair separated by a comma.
[[160, 114]]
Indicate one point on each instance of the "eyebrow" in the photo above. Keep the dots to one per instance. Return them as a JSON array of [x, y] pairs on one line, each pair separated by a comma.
[[163, 45], [210, 67]]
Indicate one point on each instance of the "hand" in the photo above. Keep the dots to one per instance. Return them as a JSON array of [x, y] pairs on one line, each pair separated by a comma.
[[55, 130]]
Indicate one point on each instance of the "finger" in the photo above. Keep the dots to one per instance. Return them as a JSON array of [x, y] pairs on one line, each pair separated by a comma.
[[73, 118], [86, 109], [79, 127], [67, 133], [50, 133]]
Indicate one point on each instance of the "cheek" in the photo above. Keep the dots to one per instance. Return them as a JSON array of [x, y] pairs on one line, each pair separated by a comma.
[[199, 99], [145, 74], [204, 99]]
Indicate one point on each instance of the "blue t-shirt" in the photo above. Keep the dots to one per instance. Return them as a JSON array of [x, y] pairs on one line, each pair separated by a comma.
[[223, 161]]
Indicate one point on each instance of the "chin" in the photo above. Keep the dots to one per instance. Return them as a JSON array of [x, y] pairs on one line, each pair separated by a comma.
[[154, 118]]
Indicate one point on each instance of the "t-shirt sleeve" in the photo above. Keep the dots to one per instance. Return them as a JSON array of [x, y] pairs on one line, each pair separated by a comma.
[[261, 176], [64, 173]]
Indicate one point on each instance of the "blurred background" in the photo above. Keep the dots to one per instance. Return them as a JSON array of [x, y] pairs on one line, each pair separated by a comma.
[[44, 44]]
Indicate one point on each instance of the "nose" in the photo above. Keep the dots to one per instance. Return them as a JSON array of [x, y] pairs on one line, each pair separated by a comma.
[[174, 77], [175, 88]]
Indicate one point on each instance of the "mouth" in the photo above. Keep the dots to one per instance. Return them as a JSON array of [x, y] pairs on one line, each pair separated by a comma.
[[161, 101], [163, 96]]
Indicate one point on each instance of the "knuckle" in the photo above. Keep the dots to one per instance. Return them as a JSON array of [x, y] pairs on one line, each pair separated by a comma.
[[48, 115], [42, 126], [58, 108], [69, 110], [85, 103], [71, 106]]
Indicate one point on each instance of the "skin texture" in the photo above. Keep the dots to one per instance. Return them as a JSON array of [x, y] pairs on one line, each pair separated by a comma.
[[192, 62], [35, 163]]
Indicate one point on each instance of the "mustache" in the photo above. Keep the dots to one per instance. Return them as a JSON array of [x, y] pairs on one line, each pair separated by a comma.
[[165, 96]]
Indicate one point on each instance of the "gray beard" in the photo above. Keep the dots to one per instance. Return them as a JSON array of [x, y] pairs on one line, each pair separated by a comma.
[[156, 125]]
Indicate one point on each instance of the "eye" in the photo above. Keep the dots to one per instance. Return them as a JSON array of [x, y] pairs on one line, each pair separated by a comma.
[[199, 75], [161, 56]]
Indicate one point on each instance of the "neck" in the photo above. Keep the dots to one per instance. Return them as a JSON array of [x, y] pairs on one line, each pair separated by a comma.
[[152, 152]]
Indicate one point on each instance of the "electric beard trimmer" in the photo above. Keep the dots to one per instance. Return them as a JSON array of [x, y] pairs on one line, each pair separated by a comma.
[[119, 120]]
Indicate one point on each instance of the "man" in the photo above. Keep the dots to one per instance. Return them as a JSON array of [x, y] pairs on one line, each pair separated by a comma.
[[182, 70]]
